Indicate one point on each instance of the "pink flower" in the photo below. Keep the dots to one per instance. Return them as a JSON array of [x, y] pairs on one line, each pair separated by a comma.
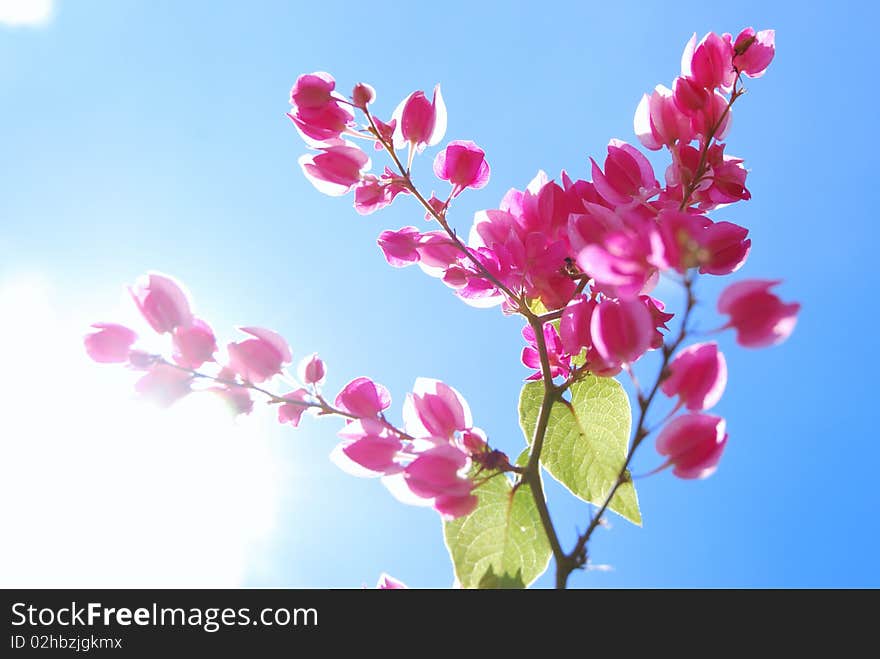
[[194, 344], [623, 262], [162, 302], [312, 370], [689, 97], [385, 131], [368, 448], [759, 317], [710, 62], [724, 248], [574, 326], [622, 330], [387, 582], [715, 115], [659, 318], [362, 95], [523, 244], [258, 359], [694, 444], [560, 362], [110, 344], [337, 169], [628, 175], [452, 507], [660, 122], [438, 205], [373, 193], [363, 398], [681, 233], [238, 399], [753, 51], [317, 112], [437, 251], [697, 375], [463, 164], [292, 412], [164, 384], [690, 241], [437, 472], [401, 247], [420, 122], [435, 410]]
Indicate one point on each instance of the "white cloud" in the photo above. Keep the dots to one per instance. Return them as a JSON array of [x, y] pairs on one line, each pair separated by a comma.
[[25, 12]]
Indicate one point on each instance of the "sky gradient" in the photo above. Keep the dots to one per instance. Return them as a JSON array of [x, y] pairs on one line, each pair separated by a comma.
[[144, 136]]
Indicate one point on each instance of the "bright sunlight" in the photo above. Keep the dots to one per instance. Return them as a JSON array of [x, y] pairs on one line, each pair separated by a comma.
[[102, 489]]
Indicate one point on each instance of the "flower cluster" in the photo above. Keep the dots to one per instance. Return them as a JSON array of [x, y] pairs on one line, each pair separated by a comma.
[[579, 259], [431, 461], [434, 460], [586, 252]]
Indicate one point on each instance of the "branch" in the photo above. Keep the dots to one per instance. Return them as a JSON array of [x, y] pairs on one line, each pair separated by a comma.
[[578, 556], [320, 403], [441, 219], [532, 473]]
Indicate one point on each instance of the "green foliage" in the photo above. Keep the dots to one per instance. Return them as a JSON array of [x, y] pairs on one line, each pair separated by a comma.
[[586, 440], [501, 544]]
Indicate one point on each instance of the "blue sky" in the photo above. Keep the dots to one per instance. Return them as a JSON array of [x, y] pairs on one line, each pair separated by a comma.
[[152, 135]]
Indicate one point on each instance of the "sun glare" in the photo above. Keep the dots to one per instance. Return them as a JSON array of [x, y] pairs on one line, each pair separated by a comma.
[[25, 12], [98, 488]]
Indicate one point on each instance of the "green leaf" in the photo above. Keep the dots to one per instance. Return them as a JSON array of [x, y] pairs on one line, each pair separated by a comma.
[[586, 440], [501, 544]]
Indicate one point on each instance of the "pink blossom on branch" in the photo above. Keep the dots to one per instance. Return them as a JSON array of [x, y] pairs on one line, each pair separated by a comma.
[[463, 164], [369, 448], [697, 375], [110, 343], [574, 325], [362, 95], [753, 51], [560, 361], [293, 411], [260, 358], [401, 247], [363, 398], [709, 63], [622, 330], [312, 370], [434, 409], [194, 345], [694, 241], [336, 169], [659, 318], [694, 444], [373, 193], [420, 122], [628, 177], [427, 464], [316, 109], [659, 121], [162, 302], [759, 317]]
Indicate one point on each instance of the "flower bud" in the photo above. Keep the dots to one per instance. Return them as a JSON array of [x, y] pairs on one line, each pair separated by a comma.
[[759, 317], [697, 375], [694, 444]]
